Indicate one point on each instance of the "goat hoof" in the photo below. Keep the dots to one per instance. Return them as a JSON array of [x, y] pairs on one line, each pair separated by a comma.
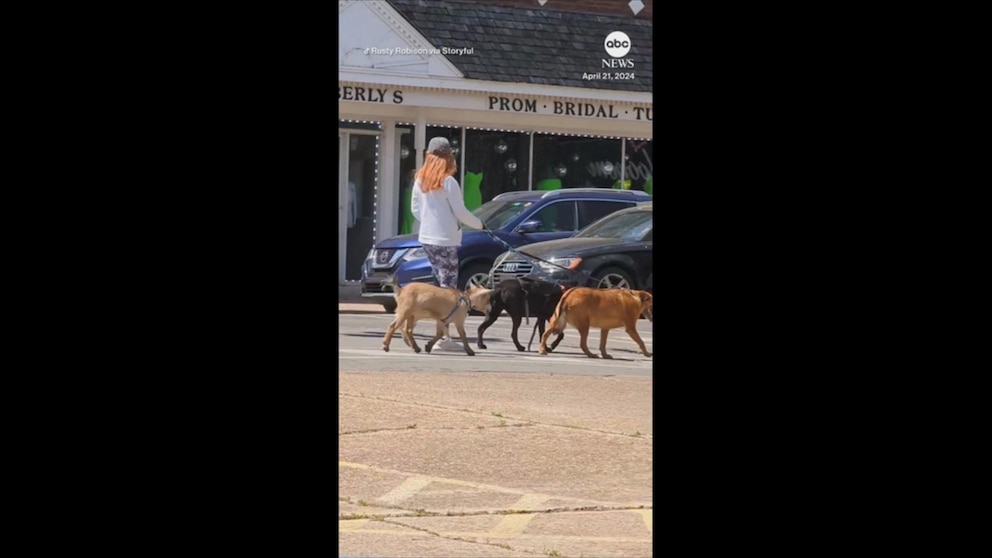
[[385, 348], [648, 354], [428, 348], [521, 349], [470, 352], [590, 355], [607, 356], [481, 346]]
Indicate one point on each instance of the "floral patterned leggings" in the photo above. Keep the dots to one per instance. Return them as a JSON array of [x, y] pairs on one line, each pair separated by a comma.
[[444, 263]]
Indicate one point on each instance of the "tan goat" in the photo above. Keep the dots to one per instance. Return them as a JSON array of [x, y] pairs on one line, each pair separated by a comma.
[[416, 301]]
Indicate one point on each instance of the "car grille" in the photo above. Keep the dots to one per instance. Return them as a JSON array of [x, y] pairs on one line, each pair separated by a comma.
[[511, 269], [373, 283], [376, 288]]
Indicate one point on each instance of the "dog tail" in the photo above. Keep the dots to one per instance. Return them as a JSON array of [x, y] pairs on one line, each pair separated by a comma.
[[557, 323]]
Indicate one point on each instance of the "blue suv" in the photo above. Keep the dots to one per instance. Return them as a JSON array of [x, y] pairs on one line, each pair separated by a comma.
[[517, 218]]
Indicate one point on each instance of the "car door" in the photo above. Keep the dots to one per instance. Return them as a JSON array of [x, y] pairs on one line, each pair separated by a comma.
[[592, 210], [557, 220], [644, 258]]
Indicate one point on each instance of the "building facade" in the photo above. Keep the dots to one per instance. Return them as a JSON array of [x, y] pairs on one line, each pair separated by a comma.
[[528, 96]]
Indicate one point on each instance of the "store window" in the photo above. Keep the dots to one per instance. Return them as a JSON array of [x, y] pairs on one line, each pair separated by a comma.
[[575, 162], [408, 168], [639, 170], [495, 162]]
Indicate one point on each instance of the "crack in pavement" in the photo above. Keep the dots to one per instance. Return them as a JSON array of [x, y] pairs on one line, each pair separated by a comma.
[[420, 512], [504, 546], [529, 421], [375, 430]]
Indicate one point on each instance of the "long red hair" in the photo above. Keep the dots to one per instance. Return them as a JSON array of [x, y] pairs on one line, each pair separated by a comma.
[[437, 166]]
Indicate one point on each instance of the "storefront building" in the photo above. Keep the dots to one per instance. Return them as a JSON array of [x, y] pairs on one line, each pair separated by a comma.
[[517, 119]]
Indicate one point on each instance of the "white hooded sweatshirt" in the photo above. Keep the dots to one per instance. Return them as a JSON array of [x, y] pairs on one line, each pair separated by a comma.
[[439, 213]]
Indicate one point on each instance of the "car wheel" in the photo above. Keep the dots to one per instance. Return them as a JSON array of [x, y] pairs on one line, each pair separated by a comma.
[[614, 277], [474, 274], [390, 306]]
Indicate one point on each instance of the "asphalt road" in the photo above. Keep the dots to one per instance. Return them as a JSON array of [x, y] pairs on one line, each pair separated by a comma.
[[361, 335]]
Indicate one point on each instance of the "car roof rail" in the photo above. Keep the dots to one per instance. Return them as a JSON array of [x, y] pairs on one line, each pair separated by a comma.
[[623, 193], [514, 194]]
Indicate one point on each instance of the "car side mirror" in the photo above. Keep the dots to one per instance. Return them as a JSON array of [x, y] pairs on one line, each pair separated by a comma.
[[529, 226]]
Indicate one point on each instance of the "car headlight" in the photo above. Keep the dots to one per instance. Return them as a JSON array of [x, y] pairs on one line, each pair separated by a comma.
[[415, 254], [567, 263]]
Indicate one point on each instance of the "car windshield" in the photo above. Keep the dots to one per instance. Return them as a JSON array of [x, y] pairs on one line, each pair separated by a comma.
[[632, 226], [496, 213]]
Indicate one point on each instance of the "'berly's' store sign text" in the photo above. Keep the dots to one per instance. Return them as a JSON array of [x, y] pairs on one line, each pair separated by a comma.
[[387, 95]]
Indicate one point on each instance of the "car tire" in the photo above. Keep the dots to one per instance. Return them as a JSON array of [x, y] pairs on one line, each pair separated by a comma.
[[614, 277], [469, 271], [390, 306]]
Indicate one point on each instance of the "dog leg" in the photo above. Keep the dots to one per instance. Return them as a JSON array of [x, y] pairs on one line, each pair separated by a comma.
[[438, 333], [542, 349], [557, 340], [602, 342], [490, 319], [461, 331], [538, 325], [583, 337], [389, 334], [632, 332], [408, 335], [513, 332]]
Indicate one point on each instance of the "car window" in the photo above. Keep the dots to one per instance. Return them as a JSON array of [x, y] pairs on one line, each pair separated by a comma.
[[496, 213], [591, 211], [556, 217], [633, 226]]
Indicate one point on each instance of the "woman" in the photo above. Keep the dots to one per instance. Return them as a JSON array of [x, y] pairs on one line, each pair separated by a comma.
[[438, 204]]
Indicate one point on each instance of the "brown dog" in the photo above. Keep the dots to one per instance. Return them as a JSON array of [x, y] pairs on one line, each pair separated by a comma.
[[585, 307], [416, 301]]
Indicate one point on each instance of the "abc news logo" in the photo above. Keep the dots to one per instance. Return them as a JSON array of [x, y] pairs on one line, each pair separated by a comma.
[[617, 46]]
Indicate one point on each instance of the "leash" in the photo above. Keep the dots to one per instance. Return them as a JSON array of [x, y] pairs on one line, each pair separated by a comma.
[[527, 299]]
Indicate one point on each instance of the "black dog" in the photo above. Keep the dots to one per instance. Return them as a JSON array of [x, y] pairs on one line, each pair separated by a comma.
[[523, 297]]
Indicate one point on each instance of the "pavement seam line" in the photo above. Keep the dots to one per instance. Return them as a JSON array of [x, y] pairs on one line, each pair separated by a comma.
[[532, 422]]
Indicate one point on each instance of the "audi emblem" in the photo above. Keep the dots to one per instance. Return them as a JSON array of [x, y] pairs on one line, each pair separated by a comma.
[[510, 267]]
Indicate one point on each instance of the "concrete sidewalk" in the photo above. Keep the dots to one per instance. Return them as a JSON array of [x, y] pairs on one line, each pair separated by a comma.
[[449, 464]]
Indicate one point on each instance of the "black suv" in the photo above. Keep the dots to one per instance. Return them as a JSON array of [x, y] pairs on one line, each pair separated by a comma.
[[517, 218], [615, 251]]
